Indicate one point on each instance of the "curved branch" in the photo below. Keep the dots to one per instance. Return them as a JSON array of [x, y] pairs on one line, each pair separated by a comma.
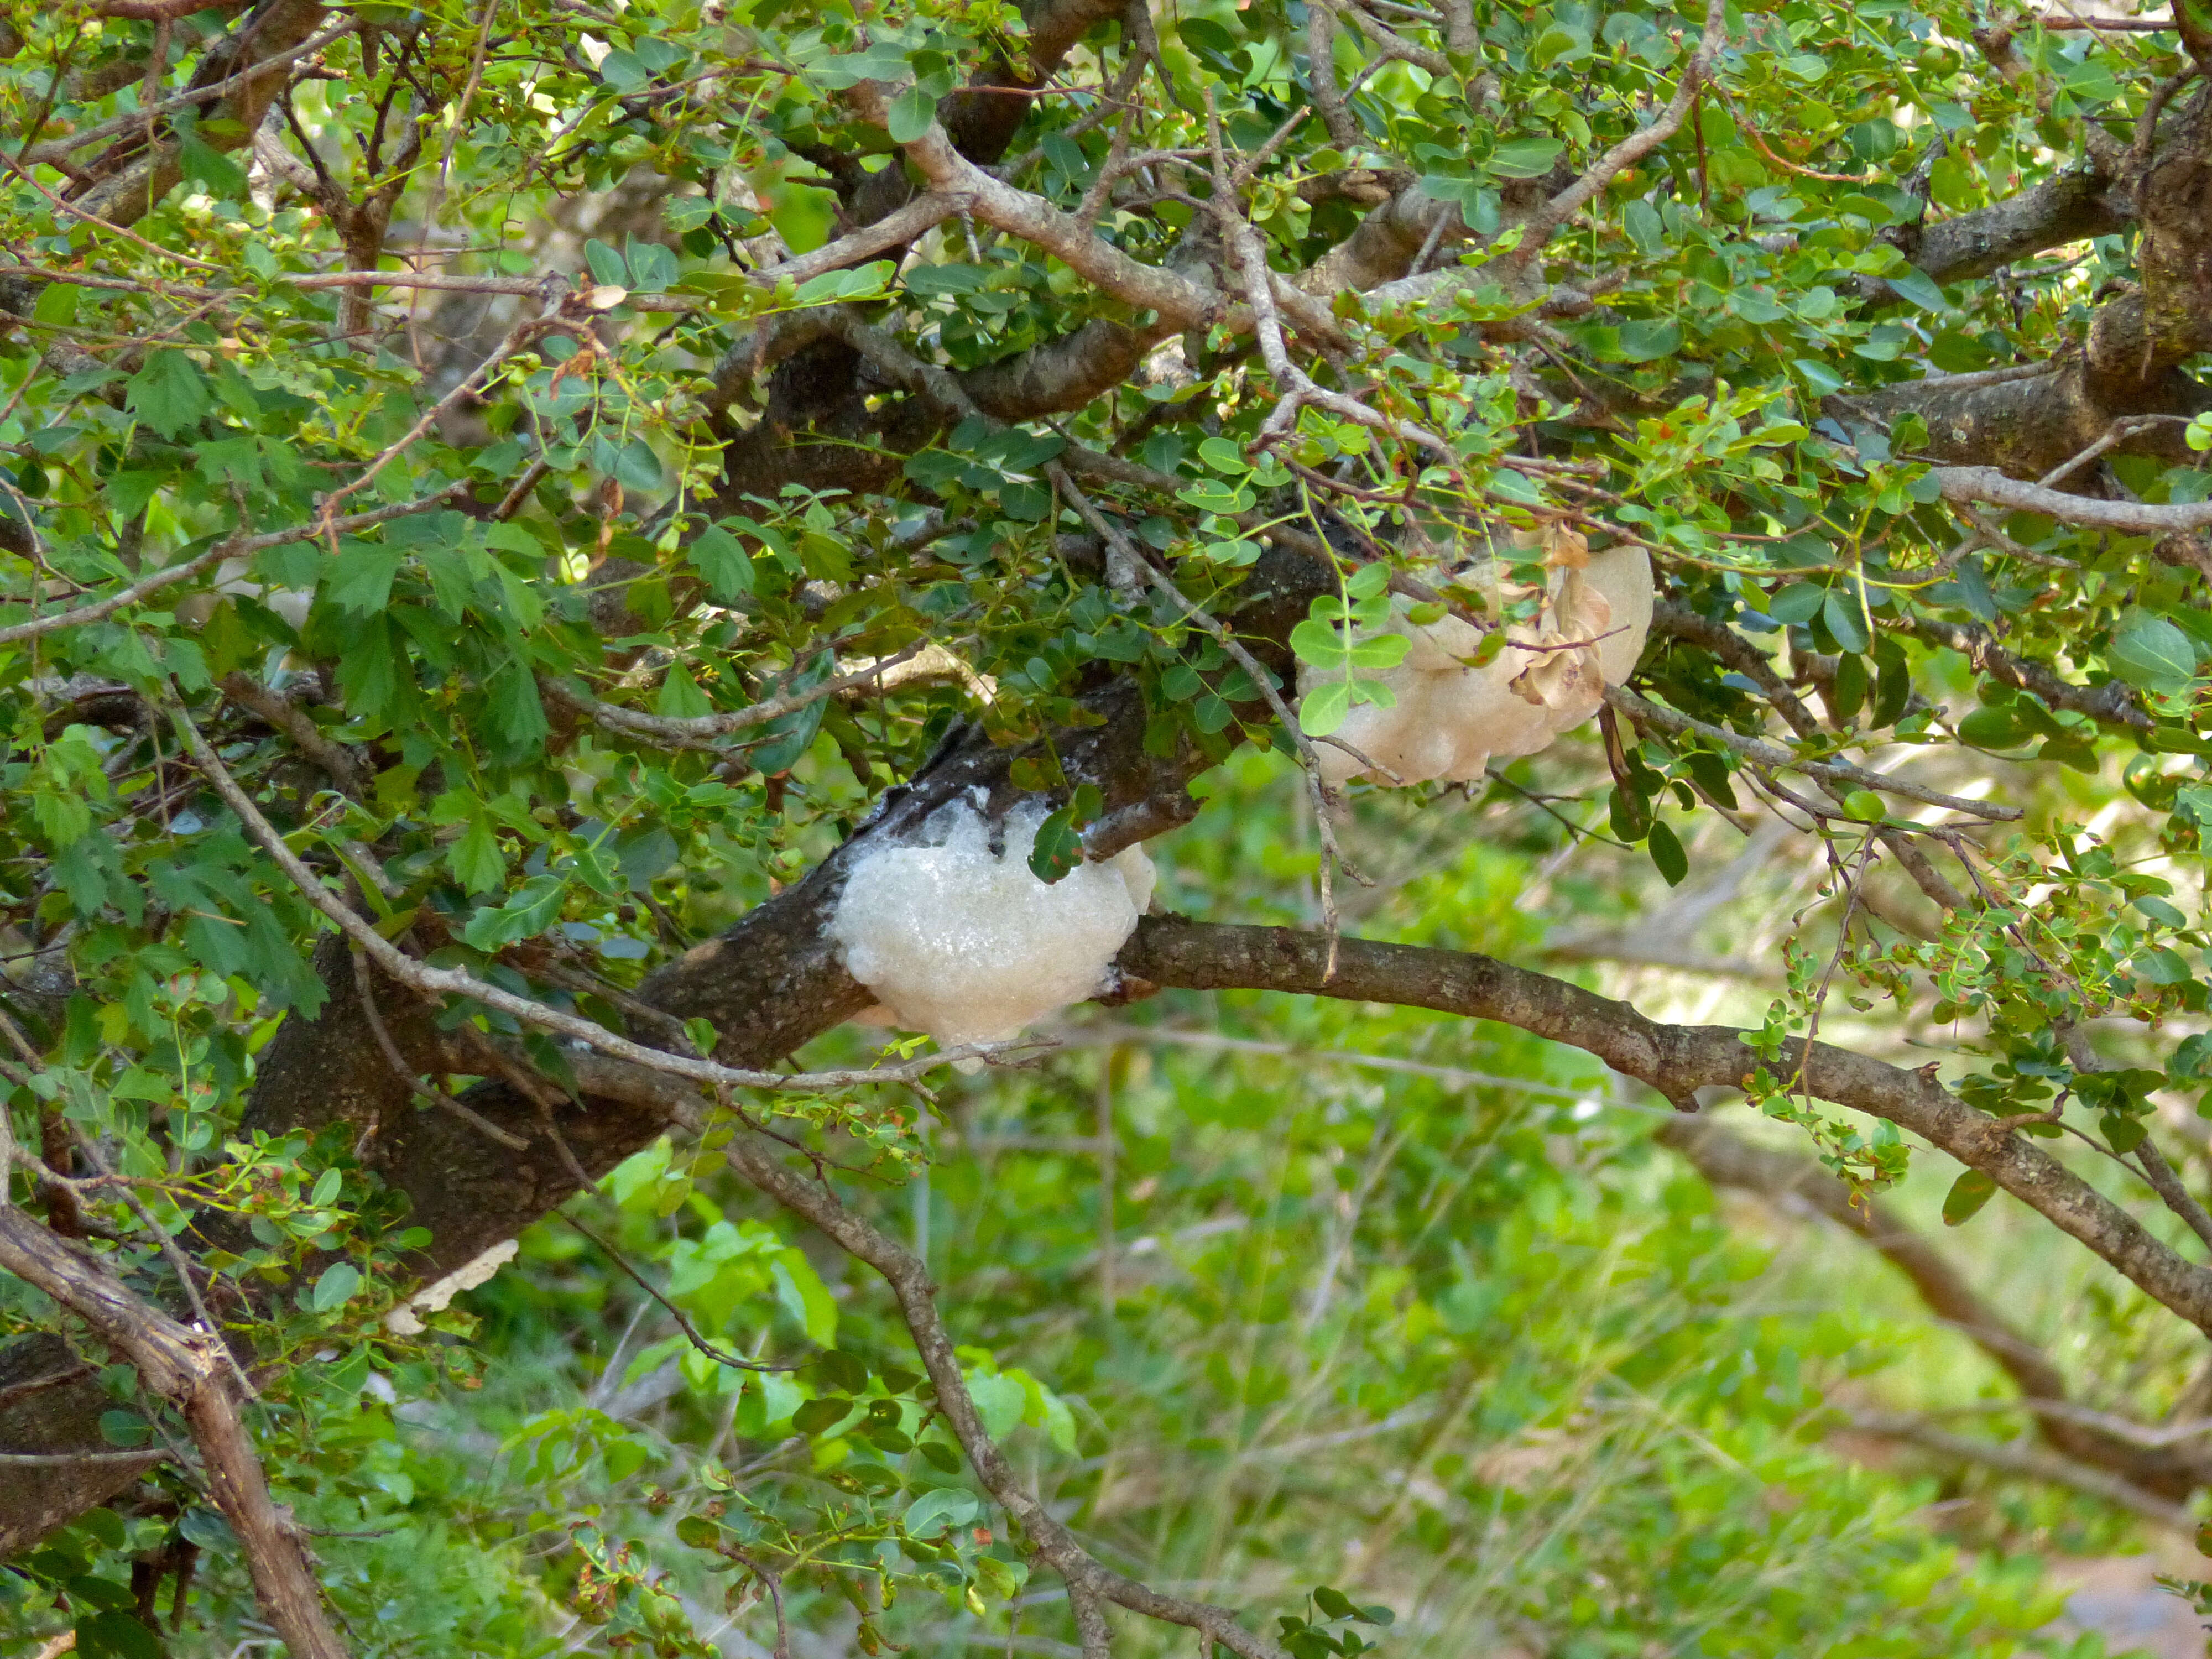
[[192, 1369], [1725, 1159], [1634, 147], [750, 1156], [1676, 1060]]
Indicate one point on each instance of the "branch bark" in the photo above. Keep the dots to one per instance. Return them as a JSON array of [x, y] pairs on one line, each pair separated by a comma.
[[1675, 1059], [188, 1369]]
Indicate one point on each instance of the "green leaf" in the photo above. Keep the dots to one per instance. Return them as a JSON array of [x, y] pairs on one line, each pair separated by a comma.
[[1968, 1193], [1667, 853], [475, 859], [911, 113], [946, 279], [2123, 1134], [335, 1287], [653, 268], [699, 1532], [169, 392], [114, 1634], [2160, 910], [680, 697], [1914, 284], [804, 1296], [126, 1429], [1797, 604], [1865, 806], [722, 561], [535, 906], [1224, 457], [820, 1416], [1526, 158], [934, 1513], [1058, 849], [207, 1527], [2153, 653], [1711, 773], [516, 716], [1333, 1603], [208, 168], [2160, 966], [1644, 228], [1841, 612], [1325, 707], [1847, 690], [1995, 727], [63, 817], [1644, 339], [361, 577], [607, 266]]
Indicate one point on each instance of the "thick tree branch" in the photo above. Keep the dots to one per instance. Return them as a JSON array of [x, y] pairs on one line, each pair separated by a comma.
[[1676, 1060], [50, 1398], [2071, 207]]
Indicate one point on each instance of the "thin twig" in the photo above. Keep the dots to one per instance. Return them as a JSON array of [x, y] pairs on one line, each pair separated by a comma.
[[397, 1061], [1308, 761], [683, 1321], [453, 981]]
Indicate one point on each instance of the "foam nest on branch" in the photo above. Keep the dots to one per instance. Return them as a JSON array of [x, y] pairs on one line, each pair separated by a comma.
[[960, 939], [1451, 720]]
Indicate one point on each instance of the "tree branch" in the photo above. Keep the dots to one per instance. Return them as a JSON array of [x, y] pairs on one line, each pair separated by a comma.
[[1676, 1060], [1987, 484], [750, 1157], [1725, 1159], [191, 1370], [2032, 1461]]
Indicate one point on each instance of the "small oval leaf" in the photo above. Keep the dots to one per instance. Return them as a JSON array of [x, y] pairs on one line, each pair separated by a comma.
[[1968, 1193]]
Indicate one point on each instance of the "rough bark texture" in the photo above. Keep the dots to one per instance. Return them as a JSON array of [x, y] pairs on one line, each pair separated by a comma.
[[2128, 364], [189, 1369]]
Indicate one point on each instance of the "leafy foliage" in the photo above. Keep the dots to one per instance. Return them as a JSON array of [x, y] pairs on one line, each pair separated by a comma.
[[447, 423]]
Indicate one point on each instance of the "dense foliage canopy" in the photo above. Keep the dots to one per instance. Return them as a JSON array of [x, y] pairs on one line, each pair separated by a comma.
[[505, 508]]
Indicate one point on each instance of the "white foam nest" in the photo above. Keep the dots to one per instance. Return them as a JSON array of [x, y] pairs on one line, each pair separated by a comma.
[[1451, 721], [967, 944]]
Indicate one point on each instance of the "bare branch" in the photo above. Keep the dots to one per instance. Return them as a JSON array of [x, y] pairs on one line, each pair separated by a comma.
[[909, 1278], [1987, 484], [2030, 1460], [234, 548], [694, 731], [1762, 753], [1634, 147], [188, 1368], [453, 981], [1676, 1060]]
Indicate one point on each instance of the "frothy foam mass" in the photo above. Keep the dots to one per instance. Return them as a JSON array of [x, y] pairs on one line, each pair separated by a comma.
[[969, 945], [1451, 721]]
